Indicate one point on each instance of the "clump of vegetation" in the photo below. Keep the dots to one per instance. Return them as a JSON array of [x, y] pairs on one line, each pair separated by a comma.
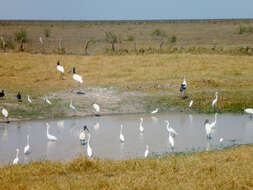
[[173, 39], [130, 38], [111, 38], [244, 29], [47, 33], [21, 35], [158, 32]]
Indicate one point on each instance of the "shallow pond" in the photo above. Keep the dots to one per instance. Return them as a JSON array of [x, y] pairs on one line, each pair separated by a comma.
[[105, 130]]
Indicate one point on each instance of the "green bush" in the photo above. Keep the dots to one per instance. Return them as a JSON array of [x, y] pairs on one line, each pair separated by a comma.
[[8, 43], [173, 39], [110, 37], [242, 29], [21, 35], [130, 38], [158, 32]]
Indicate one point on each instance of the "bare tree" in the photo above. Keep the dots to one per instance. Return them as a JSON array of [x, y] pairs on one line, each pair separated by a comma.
[[111, 38], [86, 47], [161, 45], [22, 45]]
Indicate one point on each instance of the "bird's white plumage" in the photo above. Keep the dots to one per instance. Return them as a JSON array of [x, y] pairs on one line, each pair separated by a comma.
[[170, 129], [41, 41], [171, 140], [60, 68], [27, 149], [96, 107], [141, 128], [71, 105], [121, 136], [215, 100], [78, 78], [48, 101], [248, 110], [82, 136], [190, 104], [221, 140], [49, 136], [155, 111], [5, 112], [146, 151], [16, 160], [212, 125], [29, 99], [184, 82], [89, 149]]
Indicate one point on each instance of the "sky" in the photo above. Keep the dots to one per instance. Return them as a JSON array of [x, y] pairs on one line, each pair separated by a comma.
[[124, 9]]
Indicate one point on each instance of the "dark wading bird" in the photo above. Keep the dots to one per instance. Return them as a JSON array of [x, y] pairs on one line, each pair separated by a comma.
[[19, 97], [183, 88], [2, 94]]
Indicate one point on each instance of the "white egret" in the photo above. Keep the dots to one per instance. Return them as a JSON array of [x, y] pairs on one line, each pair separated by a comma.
[[171, 140], [27, 149], [29, 99], [183, 86], [208, 128], [77, 77], [212, 125], [5, 112], [89, 149], [146, 151], [71, 106], [96, 107], [221, 140], [49, 136], [15, 161], [215, 100], [48, 101], [155, 111], [170, 129], [121, 136], [190, 104], [141, 127], [249, 111], [82, 134], [60, 68], [41, 41]]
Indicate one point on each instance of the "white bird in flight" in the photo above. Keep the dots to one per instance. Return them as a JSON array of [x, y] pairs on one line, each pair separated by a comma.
[[215, 100], [146, 151], [155, 111], [27, 149], [141, 128], [77, 77], [29, 99], [49, 136], [16, 160], [121, 136], [96, 107], [170, 129], [89, 149]]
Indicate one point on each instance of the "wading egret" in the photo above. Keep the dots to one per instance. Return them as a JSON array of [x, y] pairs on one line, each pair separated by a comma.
[[5, 113], [29, 99], [121, 136], [96, 107], [221, 140], [15, 161], [89, 150], [212, 125], [41, 41], [215, 100], [77, 77], [249, 111], [170, 129], [146, 151], [190, 104], [19, 97], [155, 111], [141, 127], [27, 149], [208, 129], [49, 136], [71, 106], [183, 86], [60, 68], [171, 140], [47, 100]]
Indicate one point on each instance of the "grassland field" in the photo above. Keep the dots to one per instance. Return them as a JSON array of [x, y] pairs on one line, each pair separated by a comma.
[[128, 84]]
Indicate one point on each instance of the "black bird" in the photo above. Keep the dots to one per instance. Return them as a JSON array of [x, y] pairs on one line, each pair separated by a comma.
[[2, 94], [19, 97]]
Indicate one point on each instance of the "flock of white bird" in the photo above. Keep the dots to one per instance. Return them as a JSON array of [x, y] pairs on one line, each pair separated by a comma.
[[82, 137]]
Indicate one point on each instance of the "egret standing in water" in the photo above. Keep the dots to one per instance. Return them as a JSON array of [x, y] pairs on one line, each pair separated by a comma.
[[215, 100], [60, 68], [27, 149], [209, 127], [141, 128], [170, 129], [146, 151], [29, 99], [96, 107], [89, 150], [121, 136], [82, 134], [15, 161], [71, 106], [155, 111], [49, 136], [5, 114], [249, 111]]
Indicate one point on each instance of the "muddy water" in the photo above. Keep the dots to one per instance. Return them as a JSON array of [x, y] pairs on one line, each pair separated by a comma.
[[234, 129]]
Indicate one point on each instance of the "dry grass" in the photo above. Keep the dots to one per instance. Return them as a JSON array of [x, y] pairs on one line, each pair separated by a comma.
[[224, 169], [160, 74]]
